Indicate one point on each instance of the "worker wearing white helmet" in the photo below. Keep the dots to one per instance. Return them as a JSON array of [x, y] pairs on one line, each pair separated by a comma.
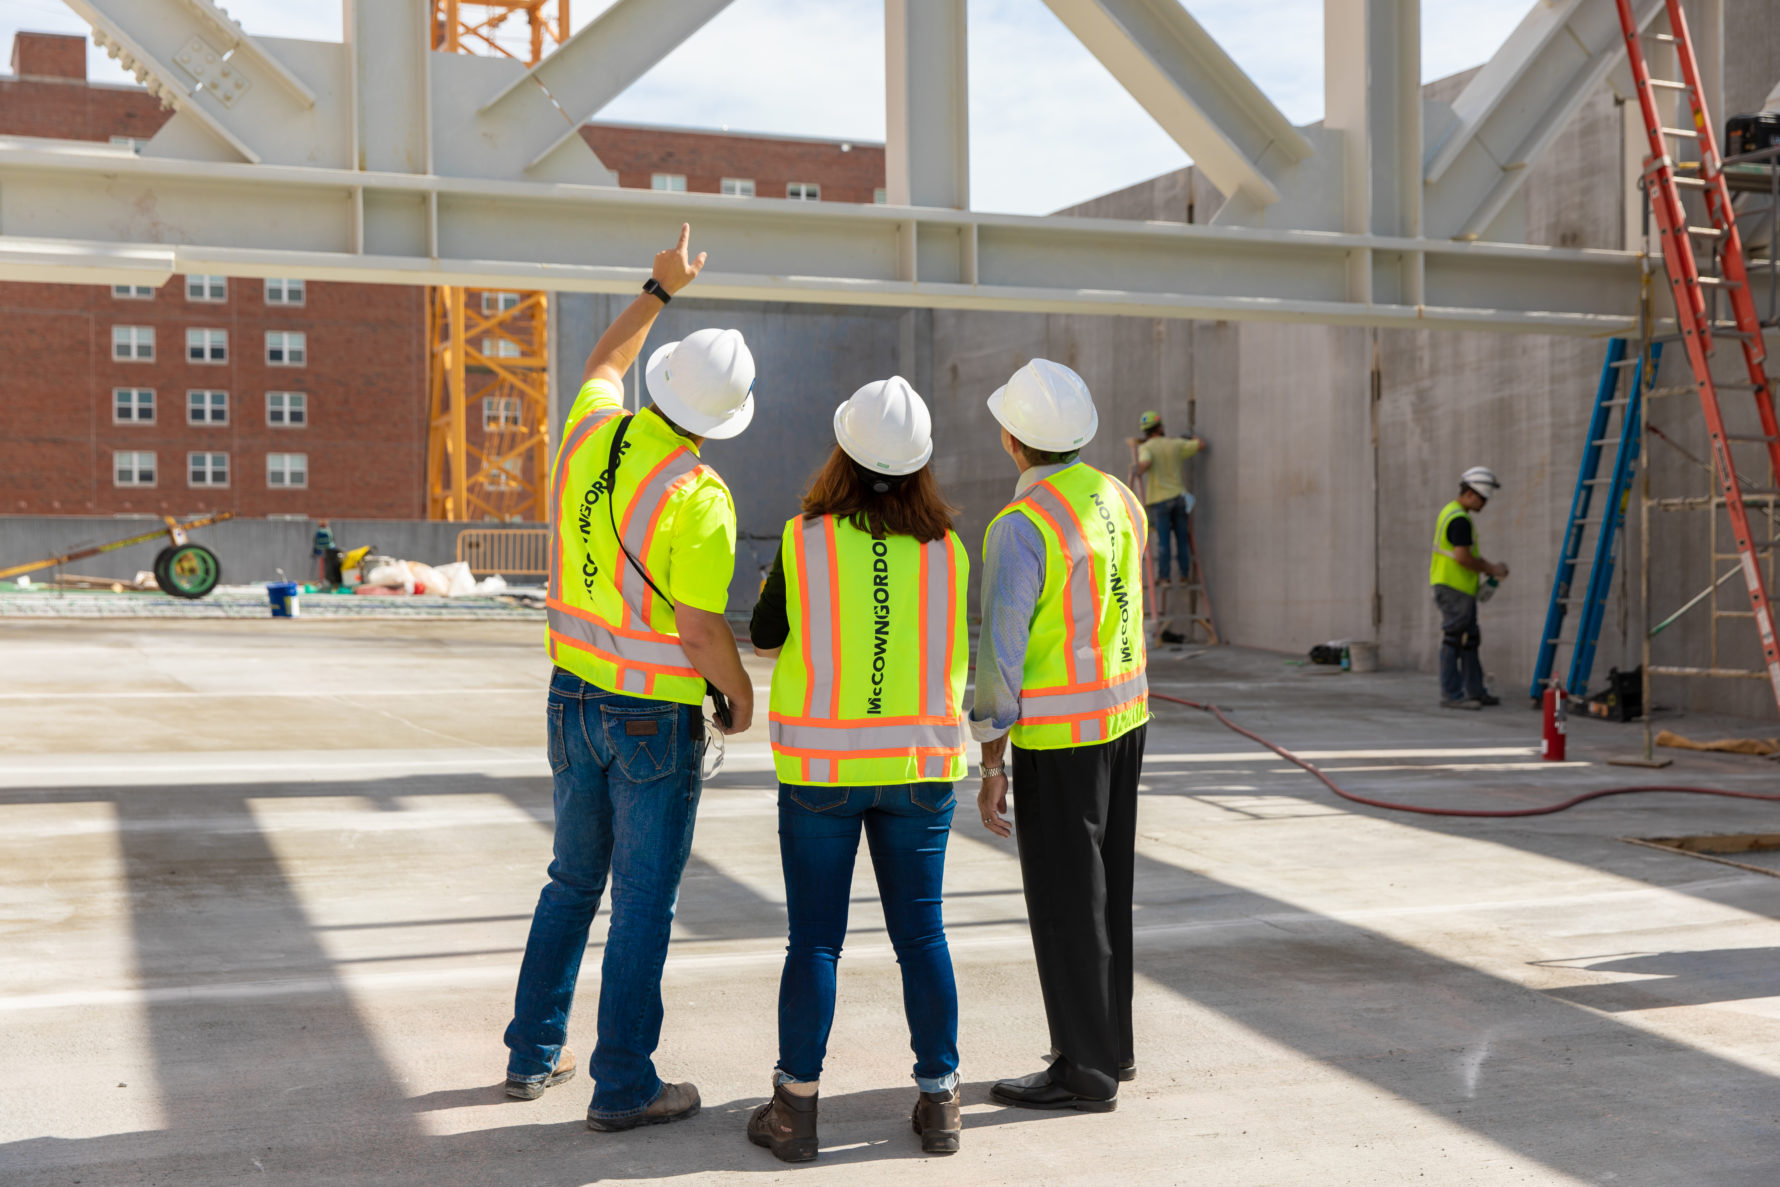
[[640, 568], [1456, 572], [864, 612], [1060, 672]]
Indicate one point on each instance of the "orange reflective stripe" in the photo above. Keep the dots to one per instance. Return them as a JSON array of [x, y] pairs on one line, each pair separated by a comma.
[[834, 599], [628, 575], [1068, 606], [577, 438], [1093, 577], [805, 643], [649, 533], [919, 752], [619, 661], [1071, 718], [845, 722]]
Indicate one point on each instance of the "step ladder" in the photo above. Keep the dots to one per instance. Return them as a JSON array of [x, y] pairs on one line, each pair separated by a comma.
[[1587, 560], [1195, 613], [1702, 259]]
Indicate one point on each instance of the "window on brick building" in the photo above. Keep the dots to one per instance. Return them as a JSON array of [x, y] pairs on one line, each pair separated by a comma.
[[879, 196], [500, 348], [133, 467], [288, 410], [673, 183], [207, 469], [284, 292], [287, 348], [805, 191], [206, 288], [287, 470], [500, 412], [134, 344], [206, 408], [133, 292], [132, 406], [206, 346], [738, 187], [499, 302]]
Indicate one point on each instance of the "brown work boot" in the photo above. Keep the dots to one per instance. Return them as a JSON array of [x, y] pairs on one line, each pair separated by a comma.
[[533, 1089], [786, 1125], [675, 1102], [937, 1121]]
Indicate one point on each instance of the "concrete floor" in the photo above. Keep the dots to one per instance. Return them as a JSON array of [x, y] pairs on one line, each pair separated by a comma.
[[264, 885]]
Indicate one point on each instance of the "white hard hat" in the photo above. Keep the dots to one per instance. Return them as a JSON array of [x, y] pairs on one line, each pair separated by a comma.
[[1046, 406], [705, 383], [1481, 479], [885, 427]]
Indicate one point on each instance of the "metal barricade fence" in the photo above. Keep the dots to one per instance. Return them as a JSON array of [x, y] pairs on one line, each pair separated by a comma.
[[511, 552]]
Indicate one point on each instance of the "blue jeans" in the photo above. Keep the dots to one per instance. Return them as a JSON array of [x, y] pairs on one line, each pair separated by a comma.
[[626, 774], [906, 825], [1168, 519], [1461, 671]]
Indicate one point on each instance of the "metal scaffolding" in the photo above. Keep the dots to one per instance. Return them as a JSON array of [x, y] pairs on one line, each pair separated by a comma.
[[489, 355]]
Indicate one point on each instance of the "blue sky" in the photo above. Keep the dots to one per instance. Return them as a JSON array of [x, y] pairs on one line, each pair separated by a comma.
[[1049, 126]]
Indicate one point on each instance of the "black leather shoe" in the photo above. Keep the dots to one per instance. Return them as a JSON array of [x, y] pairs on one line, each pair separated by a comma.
[[1039, 1091], [1486, 700], [1127, 1072]]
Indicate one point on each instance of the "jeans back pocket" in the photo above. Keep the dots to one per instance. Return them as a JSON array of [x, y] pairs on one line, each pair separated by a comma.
[[556, 745], [643, 743]]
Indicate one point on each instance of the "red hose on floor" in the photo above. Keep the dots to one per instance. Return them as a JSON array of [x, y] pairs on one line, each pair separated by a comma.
[[1600, 794]]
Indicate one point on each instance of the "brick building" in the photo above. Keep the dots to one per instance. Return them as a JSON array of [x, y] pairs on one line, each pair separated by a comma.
[[273, 397]]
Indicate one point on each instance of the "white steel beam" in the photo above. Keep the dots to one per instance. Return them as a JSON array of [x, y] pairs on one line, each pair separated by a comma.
[[1193, 89], [590, 69], [927, 137], [1372, 96], [1517, 103], [76, 211]]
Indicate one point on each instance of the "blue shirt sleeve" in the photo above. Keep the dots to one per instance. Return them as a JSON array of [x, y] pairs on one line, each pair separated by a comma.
[[1013, 575]]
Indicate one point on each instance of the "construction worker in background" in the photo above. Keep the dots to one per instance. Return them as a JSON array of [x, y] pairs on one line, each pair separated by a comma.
[[643, 548], [1060, 669], [867, 600], [319, 549], [1455, 572], [1160, 462]]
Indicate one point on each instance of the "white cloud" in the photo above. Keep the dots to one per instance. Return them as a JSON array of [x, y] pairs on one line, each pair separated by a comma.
[[1049, 126]]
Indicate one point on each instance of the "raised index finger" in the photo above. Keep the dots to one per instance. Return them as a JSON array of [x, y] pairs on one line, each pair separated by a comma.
[[685, 238]]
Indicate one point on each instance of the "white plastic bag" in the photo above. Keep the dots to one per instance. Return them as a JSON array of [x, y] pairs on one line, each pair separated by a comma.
[[458, 580], [390, 573], [427, 580]]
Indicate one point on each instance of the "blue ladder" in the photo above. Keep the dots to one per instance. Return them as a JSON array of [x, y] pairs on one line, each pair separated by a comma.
[[1611, 521]]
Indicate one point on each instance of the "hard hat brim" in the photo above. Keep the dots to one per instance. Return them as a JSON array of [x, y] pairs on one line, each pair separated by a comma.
[[1050, 445], [871, 462], [661, 390]]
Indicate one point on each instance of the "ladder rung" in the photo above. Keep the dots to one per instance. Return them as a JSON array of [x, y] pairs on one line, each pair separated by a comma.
[[1667, 37], [1687, 132], [1672, 391], [1668, 84], [1595, 481], [1625, 363], [1718, 282], [1604, 441], [1709, 232], [1692, 183]]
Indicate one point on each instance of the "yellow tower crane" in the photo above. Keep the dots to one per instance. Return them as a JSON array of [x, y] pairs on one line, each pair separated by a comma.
[[488, 451]]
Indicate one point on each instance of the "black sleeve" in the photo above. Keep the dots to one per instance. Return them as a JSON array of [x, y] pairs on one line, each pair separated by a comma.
[[770, 626], [1458, 532]]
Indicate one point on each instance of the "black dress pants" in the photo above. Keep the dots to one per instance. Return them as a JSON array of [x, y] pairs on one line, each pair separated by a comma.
[[1075, 818]]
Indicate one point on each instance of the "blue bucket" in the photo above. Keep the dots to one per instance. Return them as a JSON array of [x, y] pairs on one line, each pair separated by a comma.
[[284, 598]]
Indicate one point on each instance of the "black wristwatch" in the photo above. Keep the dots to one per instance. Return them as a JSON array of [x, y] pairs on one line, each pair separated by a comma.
[[653, 287]]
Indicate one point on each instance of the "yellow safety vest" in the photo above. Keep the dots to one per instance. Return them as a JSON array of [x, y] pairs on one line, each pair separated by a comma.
[[1443, 569], [1084, 679], [606, 625], [869, 685]]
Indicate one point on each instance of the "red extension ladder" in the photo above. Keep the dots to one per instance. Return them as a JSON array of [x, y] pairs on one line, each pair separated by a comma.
[[1683, 246]]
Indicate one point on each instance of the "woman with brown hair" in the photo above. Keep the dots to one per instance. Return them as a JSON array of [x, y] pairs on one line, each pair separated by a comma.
[[864, 610]]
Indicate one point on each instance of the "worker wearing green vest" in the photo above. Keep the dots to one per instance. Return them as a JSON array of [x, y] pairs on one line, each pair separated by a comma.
[[1060, 670], [1456, 572], [865, 611], [643, 547]]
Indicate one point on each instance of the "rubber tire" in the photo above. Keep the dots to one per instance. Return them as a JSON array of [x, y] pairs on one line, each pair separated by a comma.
[[164, 573], [159, 567]]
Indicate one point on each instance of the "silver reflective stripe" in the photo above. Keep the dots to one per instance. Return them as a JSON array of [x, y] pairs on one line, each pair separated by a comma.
[[1089, 730], [821, 770], [1083, 606], [645, 506], [818, 627], [936, 689], [935, 766], [849, 736], [589, 425], [633, 680], [1096, 700], [639, 651]]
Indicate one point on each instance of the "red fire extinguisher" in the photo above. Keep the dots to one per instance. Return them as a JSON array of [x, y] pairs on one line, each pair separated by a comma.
[[1552, 749]]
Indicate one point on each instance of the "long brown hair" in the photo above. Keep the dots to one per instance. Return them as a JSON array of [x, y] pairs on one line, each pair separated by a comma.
[[914, 506]]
